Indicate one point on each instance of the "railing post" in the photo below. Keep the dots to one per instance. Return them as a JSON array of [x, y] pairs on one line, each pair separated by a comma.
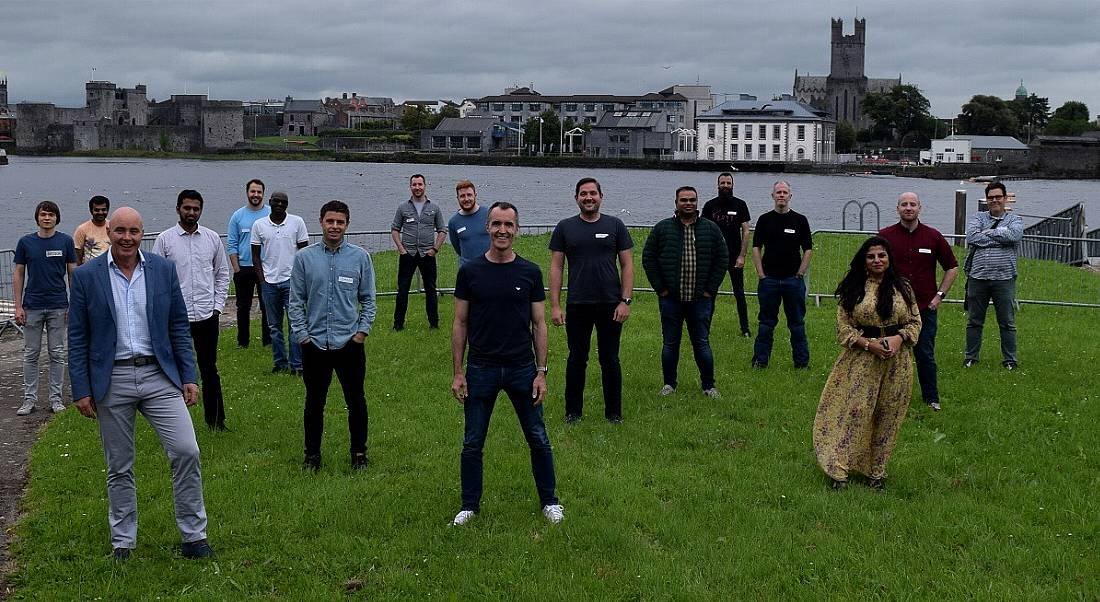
[[960, 216]]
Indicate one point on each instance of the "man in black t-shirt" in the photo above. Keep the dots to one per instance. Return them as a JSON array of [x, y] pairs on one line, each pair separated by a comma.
[[591, 242], [781, 249], [499, 311], [732, 216]]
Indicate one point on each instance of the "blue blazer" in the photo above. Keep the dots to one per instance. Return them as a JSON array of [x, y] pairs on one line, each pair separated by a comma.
[[92, 333]]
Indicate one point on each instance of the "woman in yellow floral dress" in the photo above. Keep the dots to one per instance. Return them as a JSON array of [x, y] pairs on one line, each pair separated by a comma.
[[867, 394]]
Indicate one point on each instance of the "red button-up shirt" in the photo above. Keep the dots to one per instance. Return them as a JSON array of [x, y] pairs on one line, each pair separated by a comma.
[[915, 255]]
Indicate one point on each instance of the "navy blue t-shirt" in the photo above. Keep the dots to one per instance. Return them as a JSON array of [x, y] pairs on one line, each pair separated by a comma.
[[591, 250], [498, 326], [45, 260]]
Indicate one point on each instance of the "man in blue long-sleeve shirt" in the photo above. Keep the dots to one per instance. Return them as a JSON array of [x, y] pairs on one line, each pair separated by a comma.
[[331, 311], [993, 237]]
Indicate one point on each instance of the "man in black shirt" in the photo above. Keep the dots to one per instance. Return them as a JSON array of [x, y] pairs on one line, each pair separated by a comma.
[[732, 216], [781, 249], [591, 242], [499, 311]]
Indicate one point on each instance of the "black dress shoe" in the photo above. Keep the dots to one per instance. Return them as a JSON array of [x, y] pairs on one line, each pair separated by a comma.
[[121, 554], [877, 484], [359, 461], [312, 463], [196, 549], [572, 418]]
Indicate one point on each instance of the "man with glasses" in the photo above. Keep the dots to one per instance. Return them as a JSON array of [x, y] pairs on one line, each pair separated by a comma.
[[993, 237]]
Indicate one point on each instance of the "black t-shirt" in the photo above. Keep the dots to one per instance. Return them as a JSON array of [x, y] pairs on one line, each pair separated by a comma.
[[498, 327], [781, 236], [729, 215], [592, 248]]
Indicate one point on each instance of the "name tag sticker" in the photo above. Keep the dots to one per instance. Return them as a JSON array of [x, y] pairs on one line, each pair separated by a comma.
[[602, 235], [55, 253], [245, 230], [788, 230], [345, 280], [928, 251], [731, 213], [409, 220], [460, 230]]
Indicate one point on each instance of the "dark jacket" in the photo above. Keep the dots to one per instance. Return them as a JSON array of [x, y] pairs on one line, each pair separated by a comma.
[[661, 256]]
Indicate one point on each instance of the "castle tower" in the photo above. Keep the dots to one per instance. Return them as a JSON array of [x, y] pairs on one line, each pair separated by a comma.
[[3, 90], [100, 99], [847, 50]]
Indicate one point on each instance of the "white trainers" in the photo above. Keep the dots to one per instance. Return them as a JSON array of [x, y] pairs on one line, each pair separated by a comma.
[[554, 513], [666, 391], [57, 407], [463, 517], [25, 409], [712, 393]]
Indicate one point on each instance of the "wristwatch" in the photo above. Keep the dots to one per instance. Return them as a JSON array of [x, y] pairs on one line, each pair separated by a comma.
[[543, 369], [941, 294], [626, 300]]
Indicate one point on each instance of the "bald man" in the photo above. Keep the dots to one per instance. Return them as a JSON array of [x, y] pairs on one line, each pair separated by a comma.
[[916, 249], [130, 351]]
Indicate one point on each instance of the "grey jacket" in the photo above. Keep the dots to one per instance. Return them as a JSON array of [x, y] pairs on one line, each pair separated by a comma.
[[418, 231]]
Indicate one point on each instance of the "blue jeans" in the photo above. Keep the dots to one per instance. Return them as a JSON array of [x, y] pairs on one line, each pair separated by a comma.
[[978, 294], [791, 291], [925, 355], [697, 314], [276, 298], [483, 385]]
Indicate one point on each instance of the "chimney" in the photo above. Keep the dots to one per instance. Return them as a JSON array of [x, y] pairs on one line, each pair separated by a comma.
[[345, 96]]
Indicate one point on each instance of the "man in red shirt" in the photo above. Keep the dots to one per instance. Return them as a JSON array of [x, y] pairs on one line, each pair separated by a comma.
[[916, 249]]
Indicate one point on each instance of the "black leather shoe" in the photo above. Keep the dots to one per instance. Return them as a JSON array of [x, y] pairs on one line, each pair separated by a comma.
[[312, 463], [359, 461], [877, 484], [572, 419], [196, 549], [121, 554]]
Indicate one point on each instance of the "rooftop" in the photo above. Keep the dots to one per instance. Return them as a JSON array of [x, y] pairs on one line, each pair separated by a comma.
[[999, 142], [784, 109]]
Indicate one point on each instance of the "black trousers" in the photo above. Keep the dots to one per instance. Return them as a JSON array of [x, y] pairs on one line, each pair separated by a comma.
[[204, 334], [579, 322], [247, 284], [350, 365], [407, 264], [737, 282]]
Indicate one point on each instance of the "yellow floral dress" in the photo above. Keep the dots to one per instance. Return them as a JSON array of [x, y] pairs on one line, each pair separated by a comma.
[[865, 398]]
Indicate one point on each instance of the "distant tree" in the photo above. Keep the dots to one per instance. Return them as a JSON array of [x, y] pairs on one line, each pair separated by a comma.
[[1072, 110], [987, 115], [551, 130], [415, 118], [449, 111], [899, 111], [1032, 114], [1070, 119], [845, 137]]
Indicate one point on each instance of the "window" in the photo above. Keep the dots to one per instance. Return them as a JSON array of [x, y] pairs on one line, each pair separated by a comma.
[[762, 152], [647, 105], [775, 131], [456, 142], [734, 132], [748, 132], [801, 132], [710, 131], [609, 107], [571, 107], [801, 153], [939, 156], [517, 106], [672, 119], [748, 151], [763, 132], [534, 106], [515, 118], [473, 142], [589, 108], [682, 144], [775, 151], [733, 151], [948, 150], [484, 106], [498, 106], [439, 142], [590, 120], [959, 157], [612, 137], [710, 153], [624, 151]]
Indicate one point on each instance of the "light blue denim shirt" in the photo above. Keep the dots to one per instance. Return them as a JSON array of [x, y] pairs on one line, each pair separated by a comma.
[[331, 294], [131, 322]]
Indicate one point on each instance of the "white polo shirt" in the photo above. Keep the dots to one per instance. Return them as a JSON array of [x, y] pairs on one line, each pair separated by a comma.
[[280, 243]]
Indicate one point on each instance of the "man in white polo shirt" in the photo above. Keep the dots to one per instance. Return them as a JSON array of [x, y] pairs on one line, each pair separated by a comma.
[[275, 240]]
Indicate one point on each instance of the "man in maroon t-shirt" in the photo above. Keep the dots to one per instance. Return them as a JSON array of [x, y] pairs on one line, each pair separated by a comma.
[[916, 249]]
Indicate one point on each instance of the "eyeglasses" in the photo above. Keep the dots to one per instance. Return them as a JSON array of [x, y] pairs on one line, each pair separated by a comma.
[[994, 197]]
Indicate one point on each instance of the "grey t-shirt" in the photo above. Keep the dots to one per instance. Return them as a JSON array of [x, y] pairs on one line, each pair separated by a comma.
[[591, 250]]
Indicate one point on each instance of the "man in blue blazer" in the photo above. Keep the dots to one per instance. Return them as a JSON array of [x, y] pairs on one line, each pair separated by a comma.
[[129, 352]]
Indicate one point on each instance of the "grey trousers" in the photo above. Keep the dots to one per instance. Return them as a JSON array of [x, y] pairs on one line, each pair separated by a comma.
[[53, 320], [1003, 294], [148, 390]]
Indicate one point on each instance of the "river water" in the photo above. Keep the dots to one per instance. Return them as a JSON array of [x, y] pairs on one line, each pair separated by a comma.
[[543, 195]]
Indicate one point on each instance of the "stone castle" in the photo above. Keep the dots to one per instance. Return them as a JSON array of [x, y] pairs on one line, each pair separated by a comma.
[[841, 93], [124, 118]]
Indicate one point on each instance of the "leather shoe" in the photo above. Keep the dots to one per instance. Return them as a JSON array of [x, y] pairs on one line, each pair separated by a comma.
[[121, 554], [312, 463], [359, 461], [196, 549]]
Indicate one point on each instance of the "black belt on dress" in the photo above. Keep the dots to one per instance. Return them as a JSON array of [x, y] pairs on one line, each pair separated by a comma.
[[878, 332], [137, 360]]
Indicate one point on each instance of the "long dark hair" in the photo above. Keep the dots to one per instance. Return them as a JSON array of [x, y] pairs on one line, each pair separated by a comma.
[[850, 291]]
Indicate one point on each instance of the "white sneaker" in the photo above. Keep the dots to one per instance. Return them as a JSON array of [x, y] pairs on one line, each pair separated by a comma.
[[666, 391], [712, 393], [57, 407], [554, 513], [25, 409], [463, 517]]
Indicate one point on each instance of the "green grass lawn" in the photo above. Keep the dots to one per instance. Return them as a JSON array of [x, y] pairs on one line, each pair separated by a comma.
[[993, 498], [280, 141]]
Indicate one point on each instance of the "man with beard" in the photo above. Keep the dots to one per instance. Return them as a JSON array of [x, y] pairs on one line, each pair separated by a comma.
[[467, 227], [90, 237], [203, 271], [685, 259], [238, 244], [591, 242], [732, 216], [418, 232]]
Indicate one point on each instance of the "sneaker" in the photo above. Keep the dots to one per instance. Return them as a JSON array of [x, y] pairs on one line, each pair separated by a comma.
[[1009, 365], [196, 549], [759, 365], [969, 363], [25, 409], [836, 485], [120, 555], [935, 405], [666, 391], [359, 461], [572, 418], [746, 334], [57, 407], [615, 419], [712, 393], [553, 513], [463, 517], [877, 484]]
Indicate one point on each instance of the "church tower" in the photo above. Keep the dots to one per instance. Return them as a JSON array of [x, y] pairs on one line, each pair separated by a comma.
[[847, 51], [3, 90]]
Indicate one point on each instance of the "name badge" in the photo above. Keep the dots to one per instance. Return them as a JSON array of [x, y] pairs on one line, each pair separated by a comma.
[[460, 230], [345, 280], [928, 251], [245, 230], [409, 220], [731, 213], [788, 230], [602, 235], [54, 253]]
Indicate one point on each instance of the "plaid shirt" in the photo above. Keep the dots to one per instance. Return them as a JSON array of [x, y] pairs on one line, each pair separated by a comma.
[[687, 264]]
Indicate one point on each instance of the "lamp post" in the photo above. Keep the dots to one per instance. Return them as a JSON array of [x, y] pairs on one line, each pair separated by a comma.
[[540, 136]]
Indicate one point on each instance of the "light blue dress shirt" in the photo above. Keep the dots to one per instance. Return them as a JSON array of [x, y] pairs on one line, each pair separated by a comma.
[[131, 321], [331, 294]]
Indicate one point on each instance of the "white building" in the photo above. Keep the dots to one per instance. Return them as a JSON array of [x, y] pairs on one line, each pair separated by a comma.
[[976, 149], [776, 130]]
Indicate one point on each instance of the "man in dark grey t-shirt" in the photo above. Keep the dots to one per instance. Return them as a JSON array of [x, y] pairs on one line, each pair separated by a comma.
[[592, 242]]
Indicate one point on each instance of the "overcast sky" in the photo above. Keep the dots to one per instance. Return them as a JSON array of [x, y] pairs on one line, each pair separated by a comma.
[[417, 49]]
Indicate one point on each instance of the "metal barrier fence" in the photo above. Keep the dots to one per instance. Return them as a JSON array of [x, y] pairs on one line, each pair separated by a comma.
[[1059, 237], [1092, 244], [7, 293]]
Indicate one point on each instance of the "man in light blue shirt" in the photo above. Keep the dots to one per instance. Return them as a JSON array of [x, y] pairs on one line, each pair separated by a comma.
[[331, 311], [466, 228], [238, 242]]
